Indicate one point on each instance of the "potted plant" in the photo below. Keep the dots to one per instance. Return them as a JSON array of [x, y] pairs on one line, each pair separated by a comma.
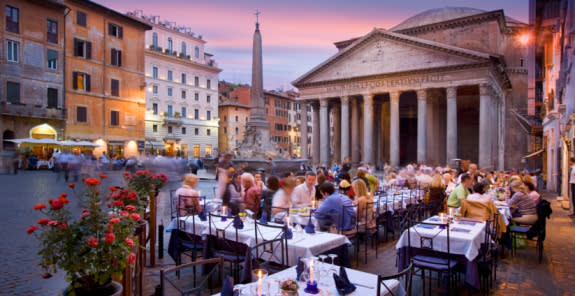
[[289, 288], [93, 248], [146, 185]]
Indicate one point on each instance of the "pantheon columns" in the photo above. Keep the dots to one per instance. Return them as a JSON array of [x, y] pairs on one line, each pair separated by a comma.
[[421, 126], [368, 129], [451, 136], [394, 128], [344, 128]]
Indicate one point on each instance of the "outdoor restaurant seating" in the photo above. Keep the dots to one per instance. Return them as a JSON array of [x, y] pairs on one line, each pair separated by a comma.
[[405, 280], [221, 244], [537, 230], [209, 277], [274, 242]]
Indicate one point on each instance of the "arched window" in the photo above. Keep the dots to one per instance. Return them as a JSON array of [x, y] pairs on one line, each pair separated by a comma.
[[170, 45], [183, 51], [155, 39], [196, 52]]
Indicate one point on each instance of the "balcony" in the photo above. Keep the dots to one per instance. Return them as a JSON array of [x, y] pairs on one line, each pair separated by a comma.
[[170, 138], [176, 120], [31, 111]]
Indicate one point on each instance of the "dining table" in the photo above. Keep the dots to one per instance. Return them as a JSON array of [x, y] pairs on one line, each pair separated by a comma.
[[366, 283]]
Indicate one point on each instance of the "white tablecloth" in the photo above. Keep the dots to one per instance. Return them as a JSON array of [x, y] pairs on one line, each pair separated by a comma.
[[505, 213], [301, 245], [395, 200], [461, 243], [364, 282]]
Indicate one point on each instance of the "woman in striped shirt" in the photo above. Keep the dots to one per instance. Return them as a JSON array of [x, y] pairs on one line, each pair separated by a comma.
[[523, 204]]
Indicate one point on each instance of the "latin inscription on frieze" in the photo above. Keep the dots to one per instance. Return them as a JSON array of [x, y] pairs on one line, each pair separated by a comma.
[[385, 83]]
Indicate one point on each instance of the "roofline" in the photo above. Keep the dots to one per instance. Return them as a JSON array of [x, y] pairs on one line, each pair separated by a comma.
[[50, 3], [113, 12], [166, 56], [154, 25]]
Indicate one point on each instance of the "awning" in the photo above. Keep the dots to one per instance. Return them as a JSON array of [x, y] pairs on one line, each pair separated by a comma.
[[155, 144], [534, 153]]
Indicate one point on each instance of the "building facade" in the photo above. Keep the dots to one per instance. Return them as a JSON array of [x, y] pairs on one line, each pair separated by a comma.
[[442, 85], [105, 82], [181, 92], [32, 71]]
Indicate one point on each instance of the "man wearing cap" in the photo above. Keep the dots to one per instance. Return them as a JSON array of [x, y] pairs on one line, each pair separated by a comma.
[[304, 193]]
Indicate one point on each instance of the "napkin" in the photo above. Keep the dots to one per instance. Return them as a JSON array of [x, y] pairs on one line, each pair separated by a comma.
[[467, 223], [309, 228], [202, 215], [238, 223], [342, 282], [264, 218], [288, 233], [434, 219], [299, 268], [426, 226], [228, 287], [457, 229]]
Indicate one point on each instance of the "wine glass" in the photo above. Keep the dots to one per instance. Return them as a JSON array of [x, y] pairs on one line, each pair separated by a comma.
[[322, 258], [333, 257]]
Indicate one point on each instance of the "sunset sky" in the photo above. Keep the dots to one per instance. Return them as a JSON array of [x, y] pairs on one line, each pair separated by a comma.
[[297, 34]]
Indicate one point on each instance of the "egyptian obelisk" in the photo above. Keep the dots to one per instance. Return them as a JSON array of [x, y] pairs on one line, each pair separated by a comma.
[[256, 142]]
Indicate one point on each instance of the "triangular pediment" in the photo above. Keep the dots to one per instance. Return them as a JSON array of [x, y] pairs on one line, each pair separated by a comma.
[[384, 52]]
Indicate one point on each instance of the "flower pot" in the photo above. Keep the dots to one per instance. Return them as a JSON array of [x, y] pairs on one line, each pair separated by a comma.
[[111, 289], [289, 293]]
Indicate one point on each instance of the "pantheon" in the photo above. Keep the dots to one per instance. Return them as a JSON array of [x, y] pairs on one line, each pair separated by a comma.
[[443, 84]]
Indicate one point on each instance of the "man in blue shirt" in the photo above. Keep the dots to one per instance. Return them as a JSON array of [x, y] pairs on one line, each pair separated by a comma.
[[333, 205]]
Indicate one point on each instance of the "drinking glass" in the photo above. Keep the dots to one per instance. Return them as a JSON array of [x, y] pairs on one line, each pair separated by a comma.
[[333, 257]]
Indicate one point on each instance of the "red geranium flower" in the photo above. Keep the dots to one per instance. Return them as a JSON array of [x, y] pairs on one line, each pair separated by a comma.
[[92, 182], [110, 238], [113, 188], [118, 203], [133, 195], [72, 185], [43, 221], [93, 242], [139, 173], [47, 275], [57, 204], [130, 208], [63, 225], [130, 242], [114, 221], [132, 259], [39, 207], [135, 217], [31, 229], [64, 194], [124, 214], [53, 223], [64, 200], [102, 176]]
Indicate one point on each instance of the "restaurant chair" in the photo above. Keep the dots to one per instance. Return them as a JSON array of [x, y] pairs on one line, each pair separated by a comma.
[[327, 222], [405, 282], [173, 203], [536, 230], [425, 258], [281, 209], [189, 242], [353, 233], [277, 250], [223, 241], [210, 277], [384, 216], [486, 261], [369, 232]]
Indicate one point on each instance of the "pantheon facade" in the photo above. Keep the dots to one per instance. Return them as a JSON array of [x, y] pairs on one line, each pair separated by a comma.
[[442, 85]]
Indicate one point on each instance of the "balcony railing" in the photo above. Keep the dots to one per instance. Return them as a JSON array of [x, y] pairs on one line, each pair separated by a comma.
[[32, 111], [173, 120]]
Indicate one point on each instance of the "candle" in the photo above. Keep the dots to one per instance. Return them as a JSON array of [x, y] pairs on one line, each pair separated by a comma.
[[259, 282], [313, 204], [199, 193], [450, 212], [441, 217], [224, 210], [287, 221], [311, 271]]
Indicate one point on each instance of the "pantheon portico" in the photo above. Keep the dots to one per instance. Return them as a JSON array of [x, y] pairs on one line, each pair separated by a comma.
[[395, 98]]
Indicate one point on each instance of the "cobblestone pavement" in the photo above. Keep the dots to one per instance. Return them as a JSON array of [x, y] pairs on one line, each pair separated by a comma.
[[19, 271]]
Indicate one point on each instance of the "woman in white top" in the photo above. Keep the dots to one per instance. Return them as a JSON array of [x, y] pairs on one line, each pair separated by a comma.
[[282, 198], [364, 202], [479, 193], [186, 197]]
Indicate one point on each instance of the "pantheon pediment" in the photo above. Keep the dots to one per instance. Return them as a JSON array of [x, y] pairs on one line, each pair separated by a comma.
[[384, 52]]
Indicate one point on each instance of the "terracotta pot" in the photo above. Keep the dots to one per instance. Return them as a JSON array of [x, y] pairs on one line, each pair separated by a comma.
[[111, 289], [289, 293]]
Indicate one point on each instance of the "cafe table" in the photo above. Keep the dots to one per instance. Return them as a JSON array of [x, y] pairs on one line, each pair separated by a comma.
[[465, 238], [366, 283]]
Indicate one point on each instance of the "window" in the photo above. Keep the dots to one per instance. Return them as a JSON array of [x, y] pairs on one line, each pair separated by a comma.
[[237, 118], [13, 92], [155, 128], [196, 81], [115, 30], [225, 130], [196, 97], [12, 20], [170, 91], [196, 150], [155, 40], [196, 131], [155, 72], [12, 51], [196, 52], [52, 96], [170, 75], [155, 89], [183, 130], [81, 114], [184, 112], [82, 48], [208, 132], [52, 59], [170, 110], [81, 81], [52, 31], [183, 94], [115, 118], [196, 114], [116, 57], [208, 99], [522, 62], [169, 129], [183, 51], [208, 115], [155, 108], [208, 150], [170, 45], [225, 118], [209, 84], [81, 19], [115, 86], [237, 131], [184, 78]]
